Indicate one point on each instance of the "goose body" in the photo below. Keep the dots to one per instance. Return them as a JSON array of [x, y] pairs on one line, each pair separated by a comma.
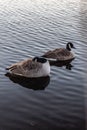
[[61, 54], [36, 67]]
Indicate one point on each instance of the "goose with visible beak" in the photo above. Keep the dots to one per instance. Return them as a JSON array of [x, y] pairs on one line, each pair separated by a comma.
[[61, 54]]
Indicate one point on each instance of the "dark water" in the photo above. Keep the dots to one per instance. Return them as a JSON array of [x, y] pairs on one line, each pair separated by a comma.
[[30, 28]]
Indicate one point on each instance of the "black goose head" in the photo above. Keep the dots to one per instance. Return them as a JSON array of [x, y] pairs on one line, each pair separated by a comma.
[[40, 59], [69, 46]]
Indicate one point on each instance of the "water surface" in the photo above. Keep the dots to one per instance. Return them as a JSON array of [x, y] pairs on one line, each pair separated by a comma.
[[29, 28]]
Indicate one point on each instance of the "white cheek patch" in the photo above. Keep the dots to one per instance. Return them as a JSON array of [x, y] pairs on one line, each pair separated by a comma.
[[35, 60], [69, 46]]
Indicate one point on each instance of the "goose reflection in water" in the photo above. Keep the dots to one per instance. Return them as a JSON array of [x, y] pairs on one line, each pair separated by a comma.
[[67, 64], [31, 83]]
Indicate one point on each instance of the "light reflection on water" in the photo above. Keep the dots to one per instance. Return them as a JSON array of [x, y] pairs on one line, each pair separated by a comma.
[[30, 28]]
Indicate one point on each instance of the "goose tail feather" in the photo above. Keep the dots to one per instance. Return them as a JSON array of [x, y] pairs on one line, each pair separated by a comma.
[[11, 67]]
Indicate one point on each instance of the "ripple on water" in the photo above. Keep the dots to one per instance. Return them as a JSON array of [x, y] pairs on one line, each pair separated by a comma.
[[30, 28]]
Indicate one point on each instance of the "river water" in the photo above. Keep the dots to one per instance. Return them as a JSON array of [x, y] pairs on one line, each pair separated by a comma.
[[30, 28]]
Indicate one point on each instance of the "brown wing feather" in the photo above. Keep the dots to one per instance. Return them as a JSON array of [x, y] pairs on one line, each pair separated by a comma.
[[63, 54], [50, 54], [59, 54], [25, 67]]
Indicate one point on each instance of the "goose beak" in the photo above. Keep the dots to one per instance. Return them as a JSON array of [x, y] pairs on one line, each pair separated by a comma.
[[74, 47]]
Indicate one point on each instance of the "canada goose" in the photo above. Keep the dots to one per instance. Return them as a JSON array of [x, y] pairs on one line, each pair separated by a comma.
[[61, 54], [36, 67]]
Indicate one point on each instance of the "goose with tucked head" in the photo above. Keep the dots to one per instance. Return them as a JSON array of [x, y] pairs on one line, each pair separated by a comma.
[[32, 68], [61, 54]]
